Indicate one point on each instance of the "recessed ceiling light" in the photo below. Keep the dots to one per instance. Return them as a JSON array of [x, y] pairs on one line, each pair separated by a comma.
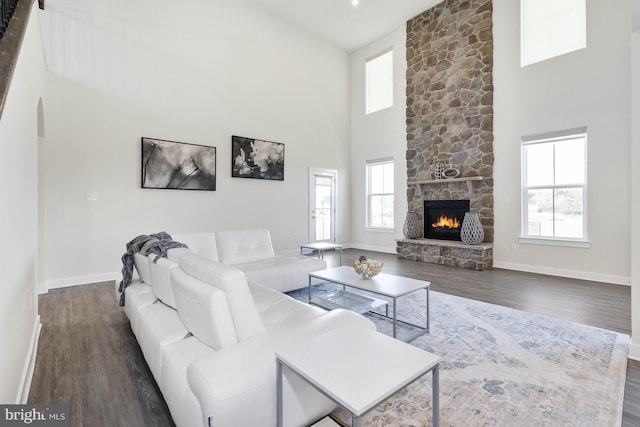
[[354, 2]]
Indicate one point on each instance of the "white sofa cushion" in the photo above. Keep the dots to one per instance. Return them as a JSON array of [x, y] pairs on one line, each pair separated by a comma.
[[276, 308], [138, 295], [141, 262], [204, 310], [159, 326], [240, 246], [201, 243], [160, 274], [232, 281], [185, 408], [174, 254], [283, 272]]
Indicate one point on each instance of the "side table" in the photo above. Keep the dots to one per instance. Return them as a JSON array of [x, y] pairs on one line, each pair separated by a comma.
[[321, 247], [357, 368]]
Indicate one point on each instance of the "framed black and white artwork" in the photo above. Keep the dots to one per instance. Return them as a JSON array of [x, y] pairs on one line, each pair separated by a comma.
[[178, 165], [256, 158]]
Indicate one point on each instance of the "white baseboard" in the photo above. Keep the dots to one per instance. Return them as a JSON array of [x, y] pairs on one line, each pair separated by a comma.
[[383, 249], [82, 280], [30, 364], [634, 351], [41, 288], [297, 251], [572, 274]]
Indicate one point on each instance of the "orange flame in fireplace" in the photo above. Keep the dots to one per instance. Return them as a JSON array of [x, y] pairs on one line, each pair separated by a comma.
[[446, 222]]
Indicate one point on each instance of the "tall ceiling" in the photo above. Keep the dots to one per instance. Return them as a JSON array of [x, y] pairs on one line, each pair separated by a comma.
[[344, 25]]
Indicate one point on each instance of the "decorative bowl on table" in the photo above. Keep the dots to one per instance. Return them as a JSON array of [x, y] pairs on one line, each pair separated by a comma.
[[367, 268]]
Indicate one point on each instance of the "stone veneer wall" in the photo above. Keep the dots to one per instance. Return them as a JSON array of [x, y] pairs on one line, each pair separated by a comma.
[[450, 104]]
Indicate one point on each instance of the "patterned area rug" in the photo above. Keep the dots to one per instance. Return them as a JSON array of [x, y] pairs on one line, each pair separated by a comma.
[[505, 367]]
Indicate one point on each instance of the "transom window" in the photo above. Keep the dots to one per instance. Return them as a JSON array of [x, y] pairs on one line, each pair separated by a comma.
[[554, 185], [552, 28], [379, 81], [380, 203]]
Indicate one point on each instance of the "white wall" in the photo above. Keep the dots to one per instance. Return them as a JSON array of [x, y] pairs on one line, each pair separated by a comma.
[[19, 213], [589, 88], [634, 159], [197, 73], [378, 135]]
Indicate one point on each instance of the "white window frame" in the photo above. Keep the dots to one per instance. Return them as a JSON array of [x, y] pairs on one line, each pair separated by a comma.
[[551, 28], [554, 138], [370, 195], [370, 87]]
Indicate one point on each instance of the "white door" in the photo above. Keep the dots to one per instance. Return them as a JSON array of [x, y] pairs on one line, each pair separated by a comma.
[[322, 205]]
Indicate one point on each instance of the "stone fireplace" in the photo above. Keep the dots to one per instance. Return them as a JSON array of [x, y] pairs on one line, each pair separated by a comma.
[[450, 121]]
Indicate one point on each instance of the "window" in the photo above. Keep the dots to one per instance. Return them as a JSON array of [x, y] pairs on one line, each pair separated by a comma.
[[551, 28], [554, 185], [380, 204], [379, 82]]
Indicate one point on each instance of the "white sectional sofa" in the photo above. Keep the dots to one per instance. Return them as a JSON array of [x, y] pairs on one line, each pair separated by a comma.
[[251, 251], [208, 335]]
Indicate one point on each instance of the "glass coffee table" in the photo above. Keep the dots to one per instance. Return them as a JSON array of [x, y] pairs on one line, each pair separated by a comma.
[[386, 285]]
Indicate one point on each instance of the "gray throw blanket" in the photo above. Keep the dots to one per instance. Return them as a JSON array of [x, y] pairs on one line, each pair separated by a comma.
[[144, 244]]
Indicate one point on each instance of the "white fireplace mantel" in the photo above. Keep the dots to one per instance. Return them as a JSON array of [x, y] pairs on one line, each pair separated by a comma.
[[468, 180]]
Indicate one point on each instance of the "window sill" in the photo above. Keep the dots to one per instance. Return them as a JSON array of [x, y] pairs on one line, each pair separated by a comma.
[[569, 243], [380, 230]]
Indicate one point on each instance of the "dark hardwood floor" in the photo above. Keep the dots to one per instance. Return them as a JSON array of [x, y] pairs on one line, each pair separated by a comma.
[[89, 358]]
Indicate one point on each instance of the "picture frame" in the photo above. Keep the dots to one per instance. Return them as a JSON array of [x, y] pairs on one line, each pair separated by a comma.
[[177, 165], [257, 158]]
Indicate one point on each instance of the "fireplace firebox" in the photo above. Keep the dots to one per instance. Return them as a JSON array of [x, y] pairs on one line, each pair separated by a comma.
[[443, 218]]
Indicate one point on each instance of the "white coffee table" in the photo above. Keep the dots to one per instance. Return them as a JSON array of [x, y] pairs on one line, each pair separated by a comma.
[[321, 247], [387, 285], [357, 368]]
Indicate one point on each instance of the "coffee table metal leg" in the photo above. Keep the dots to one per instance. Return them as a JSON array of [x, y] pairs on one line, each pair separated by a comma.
[[436, 396], [279, 393], [394, 316], [427, 308], [356, 421], [309, 290]]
